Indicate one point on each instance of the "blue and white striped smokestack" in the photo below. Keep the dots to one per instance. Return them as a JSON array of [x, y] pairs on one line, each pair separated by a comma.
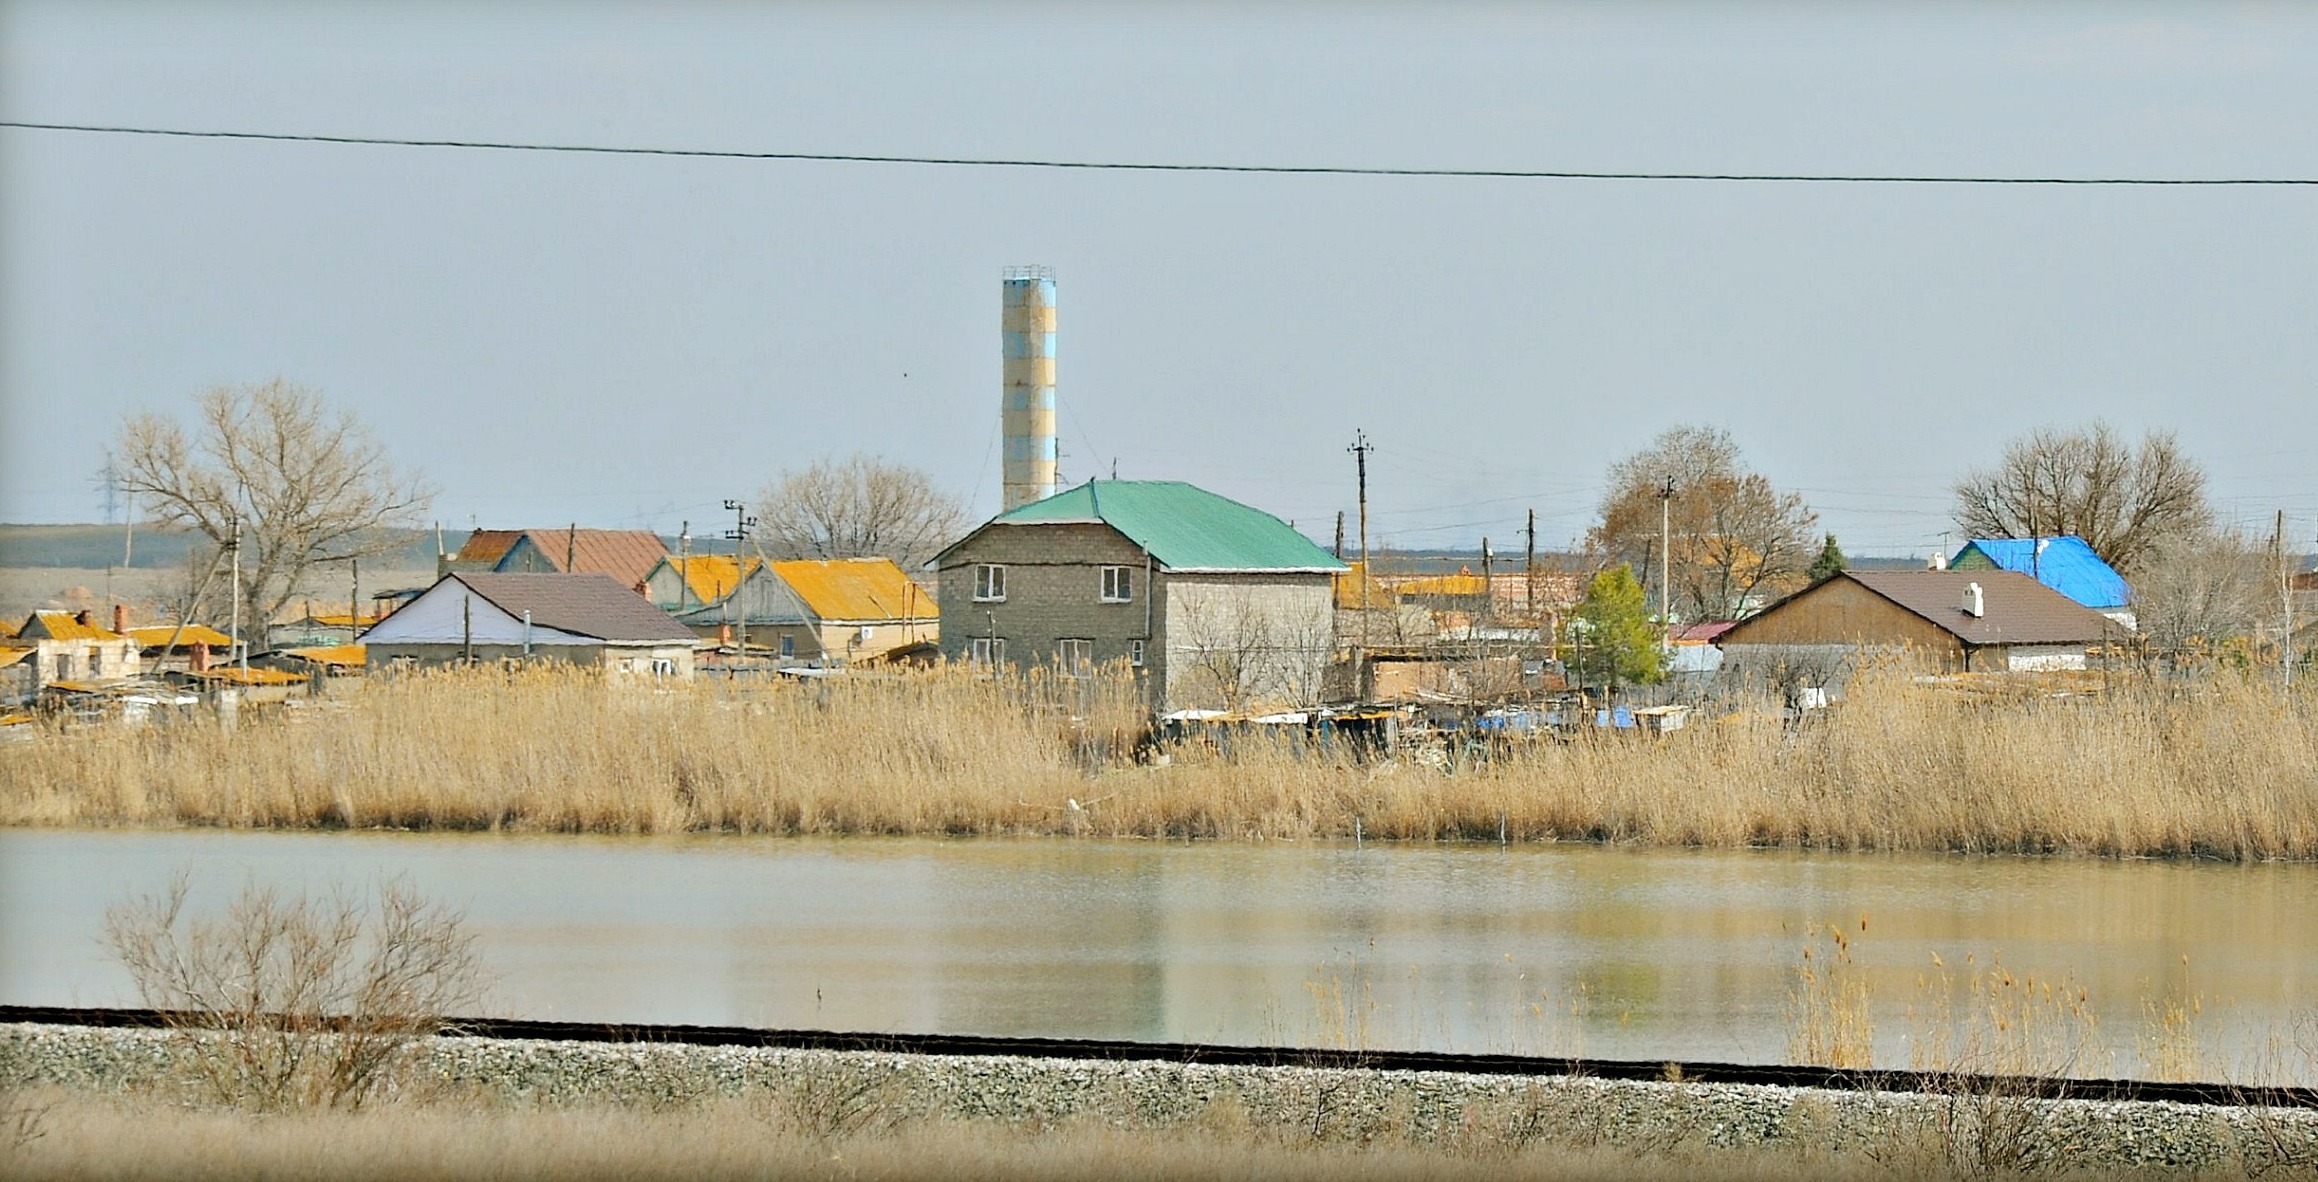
[[1027, 320]]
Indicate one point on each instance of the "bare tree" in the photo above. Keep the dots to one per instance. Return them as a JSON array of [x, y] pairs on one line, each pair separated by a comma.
[[862, 507], [1735, 538], [304, 484], [2194, 592], [2121, 500], [286, 1002], [1241, 647]]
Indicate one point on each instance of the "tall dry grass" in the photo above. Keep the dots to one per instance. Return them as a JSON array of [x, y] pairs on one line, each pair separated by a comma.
[[2226, 769]]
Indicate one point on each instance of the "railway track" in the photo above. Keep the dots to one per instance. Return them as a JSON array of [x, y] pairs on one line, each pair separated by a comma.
[[1846, 1079]]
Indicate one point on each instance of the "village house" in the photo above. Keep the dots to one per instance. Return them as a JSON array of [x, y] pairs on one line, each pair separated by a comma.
[[589, 620], [816, 611], [1214, 604], [69, 647], [627, 555], [1984, 621], [2065, 563]]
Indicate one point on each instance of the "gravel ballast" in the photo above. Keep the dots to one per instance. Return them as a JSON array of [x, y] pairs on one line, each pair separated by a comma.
[[1324, 1103]]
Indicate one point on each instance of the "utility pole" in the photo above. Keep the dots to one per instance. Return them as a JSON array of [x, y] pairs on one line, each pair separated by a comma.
[[571, 549], [354, 600], [1488, 582], [1340, 535], [1360, 449], [1666, 564], [739, 533], [2286, 601], [1529, 568], [684, 567], [241, 651]]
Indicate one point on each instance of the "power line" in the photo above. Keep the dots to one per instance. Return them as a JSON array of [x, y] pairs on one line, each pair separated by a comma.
[[1155, 166]]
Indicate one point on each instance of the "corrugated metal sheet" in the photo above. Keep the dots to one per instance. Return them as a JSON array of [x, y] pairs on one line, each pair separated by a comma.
[[62, 626], [712, 576], [344, 656], [2066, 564], [10, 656], [488, 545], [1181, 526], [856, 590], [159, 634]]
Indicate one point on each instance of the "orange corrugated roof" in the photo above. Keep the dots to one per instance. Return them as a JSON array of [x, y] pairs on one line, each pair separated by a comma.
[[10, 655], [7, 629], [712, 576], [236, 676], [488, 545], [158, 635], [1348, 589], [65, 626], [846, 589], [1461, 583], [342, 655]]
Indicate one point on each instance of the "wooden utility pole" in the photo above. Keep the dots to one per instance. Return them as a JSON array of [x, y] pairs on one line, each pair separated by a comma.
[[1488, 582], [741, 521], [354, 605], [1529, 568], [571, 549], [2286, 601], [1666, 564], [1360, 449], [1340, 535]]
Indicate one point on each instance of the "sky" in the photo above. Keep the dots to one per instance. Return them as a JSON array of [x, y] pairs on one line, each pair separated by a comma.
[[629, 341]]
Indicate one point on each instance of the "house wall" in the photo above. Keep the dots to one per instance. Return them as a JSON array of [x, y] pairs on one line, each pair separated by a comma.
[[82, 660], [1244, 641], [2034, 658], [1053, 592], [1840, 612], [619, 658]]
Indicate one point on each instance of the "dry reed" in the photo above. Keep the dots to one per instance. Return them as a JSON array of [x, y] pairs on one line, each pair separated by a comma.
[[2223, 769]]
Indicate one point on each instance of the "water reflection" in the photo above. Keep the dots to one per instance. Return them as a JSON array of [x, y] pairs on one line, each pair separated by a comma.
[[1560, 950]]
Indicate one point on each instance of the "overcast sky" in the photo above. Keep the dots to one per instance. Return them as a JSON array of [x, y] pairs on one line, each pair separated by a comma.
[[628, 341]]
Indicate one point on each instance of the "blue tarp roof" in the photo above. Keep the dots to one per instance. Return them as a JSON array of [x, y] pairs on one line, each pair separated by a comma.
[[2065, 564]]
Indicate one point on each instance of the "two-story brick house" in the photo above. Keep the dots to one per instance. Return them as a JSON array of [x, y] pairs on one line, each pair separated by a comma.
[[1214, 604]]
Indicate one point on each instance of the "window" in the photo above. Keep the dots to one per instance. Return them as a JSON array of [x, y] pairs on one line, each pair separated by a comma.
[[989, 650], [788, 645], [989, 583], [1077, 657], [1118, 584], [1135, 653], [64, 666], [663, 667]]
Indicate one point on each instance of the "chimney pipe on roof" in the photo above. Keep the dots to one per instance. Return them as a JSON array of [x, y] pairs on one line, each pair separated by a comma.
[[121, 618], [1939, 561], [1975, 603]]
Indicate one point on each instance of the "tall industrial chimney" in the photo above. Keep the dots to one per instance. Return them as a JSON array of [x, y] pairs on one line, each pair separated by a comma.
[[1027, 319]]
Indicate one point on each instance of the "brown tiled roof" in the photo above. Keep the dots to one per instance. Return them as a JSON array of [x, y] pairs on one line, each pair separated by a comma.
[[586, 604], [2019, 610]]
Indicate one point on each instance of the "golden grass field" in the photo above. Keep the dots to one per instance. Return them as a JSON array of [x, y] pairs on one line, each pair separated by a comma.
[[2224, 768]]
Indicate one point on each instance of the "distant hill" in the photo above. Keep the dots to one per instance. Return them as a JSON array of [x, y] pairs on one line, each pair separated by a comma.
[[95, 547]]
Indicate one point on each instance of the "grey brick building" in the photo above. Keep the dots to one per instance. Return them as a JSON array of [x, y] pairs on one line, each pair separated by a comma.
[[1214, 604]]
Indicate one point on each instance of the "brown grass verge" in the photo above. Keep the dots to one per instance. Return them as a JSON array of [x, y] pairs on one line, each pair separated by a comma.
[[2218, 769]]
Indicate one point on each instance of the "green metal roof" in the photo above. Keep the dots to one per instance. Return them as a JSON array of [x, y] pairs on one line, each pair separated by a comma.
[[1183, 527]]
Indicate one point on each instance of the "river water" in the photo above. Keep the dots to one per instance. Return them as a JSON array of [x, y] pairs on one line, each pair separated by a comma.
[[1566, 950]]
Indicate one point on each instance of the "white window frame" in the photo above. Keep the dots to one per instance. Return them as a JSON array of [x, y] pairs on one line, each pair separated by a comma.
[[1118, 585], [1076, 656], [788, 645], [1135, 653], [990, 582], [988, 652]]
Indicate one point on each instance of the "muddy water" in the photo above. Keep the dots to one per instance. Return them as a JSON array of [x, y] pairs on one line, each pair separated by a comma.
[[1561, 950]]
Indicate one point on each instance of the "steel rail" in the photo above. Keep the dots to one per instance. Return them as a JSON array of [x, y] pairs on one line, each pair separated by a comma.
[[1116, 1050]]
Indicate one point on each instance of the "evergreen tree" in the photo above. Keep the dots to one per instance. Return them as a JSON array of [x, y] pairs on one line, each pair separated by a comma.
[[1617, 642], [1830, 562]]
